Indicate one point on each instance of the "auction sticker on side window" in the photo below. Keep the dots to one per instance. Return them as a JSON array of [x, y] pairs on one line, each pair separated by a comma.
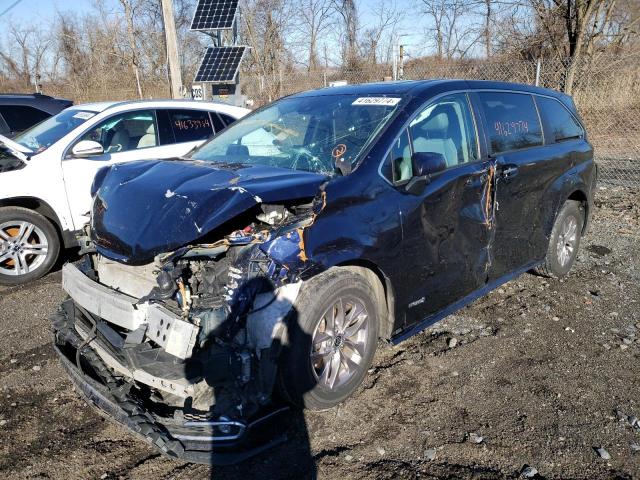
[[381, 101]]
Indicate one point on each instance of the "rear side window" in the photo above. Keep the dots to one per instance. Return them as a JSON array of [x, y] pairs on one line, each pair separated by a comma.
[[190, 125], [21, 117], [512, 119], [559, 122]]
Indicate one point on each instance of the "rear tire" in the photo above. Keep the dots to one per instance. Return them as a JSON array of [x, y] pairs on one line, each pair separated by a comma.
[[29, 245], [329, 350], [564, 241]]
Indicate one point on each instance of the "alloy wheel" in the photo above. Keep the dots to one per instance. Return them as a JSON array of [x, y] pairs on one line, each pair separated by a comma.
[[23, 247], [339, 342], [567, 240]]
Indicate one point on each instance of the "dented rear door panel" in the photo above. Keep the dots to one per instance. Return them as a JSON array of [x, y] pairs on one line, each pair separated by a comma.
[[524, 200]]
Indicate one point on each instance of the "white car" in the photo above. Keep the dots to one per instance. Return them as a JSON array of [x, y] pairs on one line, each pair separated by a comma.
[[47, 171]]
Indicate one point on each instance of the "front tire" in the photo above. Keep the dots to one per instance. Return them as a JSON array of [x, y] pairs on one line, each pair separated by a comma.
[[332, 337], [29, 245], [564, 241]]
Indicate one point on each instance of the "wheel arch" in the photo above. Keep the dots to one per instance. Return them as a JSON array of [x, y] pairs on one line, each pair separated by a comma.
[[39, 206], [383, 289], [580, 196]]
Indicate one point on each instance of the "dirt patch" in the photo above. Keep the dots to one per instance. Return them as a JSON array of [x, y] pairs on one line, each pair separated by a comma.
[[540, 373]]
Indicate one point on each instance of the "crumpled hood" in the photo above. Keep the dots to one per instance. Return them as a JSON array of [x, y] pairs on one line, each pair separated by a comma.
[[149, 207]]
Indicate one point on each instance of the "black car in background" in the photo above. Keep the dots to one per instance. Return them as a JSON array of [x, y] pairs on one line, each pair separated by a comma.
[[275, 256], [21, 111]]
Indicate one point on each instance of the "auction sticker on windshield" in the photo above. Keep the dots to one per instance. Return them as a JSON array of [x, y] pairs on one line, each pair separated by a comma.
[[84, 115], [382, 101]]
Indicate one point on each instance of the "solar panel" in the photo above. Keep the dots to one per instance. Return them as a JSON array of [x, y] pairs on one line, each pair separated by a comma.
[[220, 64], [214, 14]]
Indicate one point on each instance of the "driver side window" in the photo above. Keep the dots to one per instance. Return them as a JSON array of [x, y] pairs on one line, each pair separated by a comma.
[[125, 132], [445, 127]]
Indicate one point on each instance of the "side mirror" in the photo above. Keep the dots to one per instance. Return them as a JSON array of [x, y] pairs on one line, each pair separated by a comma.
[[428, 163], [87, 148], [425, 164]]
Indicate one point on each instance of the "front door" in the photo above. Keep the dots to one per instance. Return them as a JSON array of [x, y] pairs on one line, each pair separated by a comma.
[[124, 137], [446, 230]]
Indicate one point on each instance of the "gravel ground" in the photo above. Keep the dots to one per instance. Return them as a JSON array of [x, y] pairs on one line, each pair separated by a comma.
[[539, 379]]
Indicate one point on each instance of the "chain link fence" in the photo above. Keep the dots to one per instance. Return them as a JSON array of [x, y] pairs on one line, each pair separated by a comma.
[[606, 91]]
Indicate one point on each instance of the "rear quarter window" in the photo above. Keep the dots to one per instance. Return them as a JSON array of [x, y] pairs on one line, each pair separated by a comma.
[[560, 124], [218, 124], [227, 119], [512, 119]]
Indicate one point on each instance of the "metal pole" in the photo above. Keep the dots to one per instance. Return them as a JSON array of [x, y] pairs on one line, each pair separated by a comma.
[[173, 58], [401, 63], [395, 57], [538, 72]]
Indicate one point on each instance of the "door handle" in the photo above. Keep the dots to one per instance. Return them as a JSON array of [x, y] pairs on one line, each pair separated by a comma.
[[477, 180], [509, 171]]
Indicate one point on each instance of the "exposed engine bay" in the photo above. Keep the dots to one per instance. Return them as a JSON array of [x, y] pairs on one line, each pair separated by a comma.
[[193, 338]]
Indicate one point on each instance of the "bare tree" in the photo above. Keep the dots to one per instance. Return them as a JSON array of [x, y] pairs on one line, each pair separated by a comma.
[[487, 27], [30, 46], [349, 15], [316, 17], [387, 16], [101, 53], [576, 28], [625, 25], [129, 12], [451, 35], [19, 66], [265, 28]]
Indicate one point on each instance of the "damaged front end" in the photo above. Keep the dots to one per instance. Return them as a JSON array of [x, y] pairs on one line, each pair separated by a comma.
[[184, 350]]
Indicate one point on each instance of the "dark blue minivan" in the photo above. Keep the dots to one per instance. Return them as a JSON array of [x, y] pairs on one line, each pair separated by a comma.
[[275, 256]]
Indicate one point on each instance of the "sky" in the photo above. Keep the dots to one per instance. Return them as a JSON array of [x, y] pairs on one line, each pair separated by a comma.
[[27, 11]]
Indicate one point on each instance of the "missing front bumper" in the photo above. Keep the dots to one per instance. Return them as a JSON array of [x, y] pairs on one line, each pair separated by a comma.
[[160, 325], [190, 439]]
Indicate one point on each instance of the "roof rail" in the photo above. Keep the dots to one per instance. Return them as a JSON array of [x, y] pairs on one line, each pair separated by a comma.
[[26, 95]]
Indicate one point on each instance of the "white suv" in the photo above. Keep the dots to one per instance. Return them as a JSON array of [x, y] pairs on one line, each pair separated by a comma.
[[47, 171]]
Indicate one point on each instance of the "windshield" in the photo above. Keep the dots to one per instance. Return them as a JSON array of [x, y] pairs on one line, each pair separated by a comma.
[[305, 133], [45, 134]]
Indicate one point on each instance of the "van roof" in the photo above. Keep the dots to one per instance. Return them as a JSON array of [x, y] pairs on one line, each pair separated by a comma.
[[418, 88]]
